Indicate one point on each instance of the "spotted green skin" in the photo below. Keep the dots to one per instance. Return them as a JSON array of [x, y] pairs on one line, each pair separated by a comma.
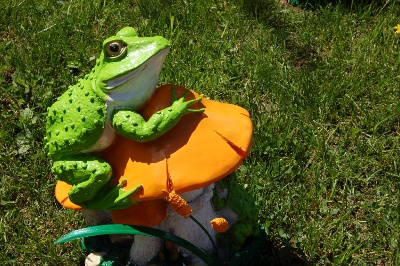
[[77, 120]]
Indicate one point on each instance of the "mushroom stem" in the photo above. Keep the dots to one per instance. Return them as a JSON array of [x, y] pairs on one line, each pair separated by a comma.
[[205, 230]]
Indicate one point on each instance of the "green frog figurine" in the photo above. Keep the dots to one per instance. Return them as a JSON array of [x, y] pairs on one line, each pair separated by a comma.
[[87, 117]]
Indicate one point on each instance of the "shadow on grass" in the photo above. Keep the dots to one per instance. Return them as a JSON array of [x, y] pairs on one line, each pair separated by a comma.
[[347, 4], [269, 10], [303, 53], [278, 254]]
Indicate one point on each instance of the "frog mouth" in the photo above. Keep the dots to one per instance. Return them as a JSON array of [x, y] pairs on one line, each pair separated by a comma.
[[153, 62], [111, 84]]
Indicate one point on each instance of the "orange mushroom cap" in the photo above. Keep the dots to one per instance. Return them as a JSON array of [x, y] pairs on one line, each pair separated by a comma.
[[200, 150], [61, 192]]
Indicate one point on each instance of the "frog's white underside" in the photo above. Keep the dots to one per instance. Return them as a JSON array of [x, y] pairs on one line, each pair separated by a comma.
[[131, 90]]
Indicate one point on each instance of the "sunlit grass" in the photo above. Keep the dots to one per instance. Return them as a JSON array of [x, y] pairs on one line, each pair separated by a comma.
[[321, 84]]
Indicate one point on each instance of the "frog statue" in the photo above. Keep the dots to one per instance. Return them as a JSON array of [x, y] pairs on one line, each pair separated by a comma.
[[114, 122], [87, 117]]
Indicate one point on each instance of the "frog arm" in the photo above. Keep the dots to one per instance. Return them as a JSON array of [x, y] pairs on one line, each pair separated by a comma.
[[91, 182], [132, 125]]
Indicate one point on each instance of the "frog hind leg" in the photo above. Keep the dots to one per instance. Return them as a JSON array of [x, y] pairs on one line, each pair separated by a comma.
[[90, 177]]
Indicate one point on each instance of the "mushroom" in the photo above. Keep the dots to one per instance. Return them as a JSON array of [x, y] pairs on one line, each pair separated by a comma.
[[200, 150]]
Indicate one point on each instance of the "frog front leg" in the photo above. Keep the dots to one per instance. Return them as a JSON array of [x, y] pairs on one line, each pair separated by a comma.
[[132, 125], [90, 178]]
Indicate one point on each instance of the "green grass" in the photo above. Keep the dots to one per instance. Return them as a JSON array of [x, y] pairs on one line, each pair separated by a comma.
[[322, 85]]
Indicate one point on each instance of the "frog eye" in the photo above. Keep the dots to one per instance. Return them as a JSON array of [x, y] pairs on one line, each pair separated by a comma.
[[114, 49]]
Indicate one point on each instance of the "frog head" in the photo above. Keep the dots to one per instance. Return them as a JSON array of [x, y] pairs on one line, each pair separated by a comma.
[[128, 68]]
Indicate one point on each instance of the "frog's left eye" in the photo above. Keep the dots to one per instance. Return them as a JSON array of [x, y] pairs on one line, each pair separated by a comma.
[[114, 49]]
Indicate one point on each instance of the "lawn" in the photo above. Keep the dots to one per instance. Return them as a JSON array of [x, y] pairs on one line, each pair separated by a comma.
[[321, 82]]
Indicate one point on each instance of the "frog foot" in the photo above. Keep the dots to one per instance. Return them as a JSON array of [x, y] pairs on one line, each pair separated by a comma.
[[112, 198], [181, 101]]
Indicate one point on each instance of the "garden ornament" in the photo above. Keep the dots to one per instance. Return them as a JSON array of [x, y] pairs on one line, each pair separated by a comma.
[[150, 162]]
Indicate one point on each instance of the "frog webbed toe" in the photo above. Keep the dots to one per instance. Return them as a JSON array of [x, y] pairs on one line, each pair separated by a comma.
[[112, 197]]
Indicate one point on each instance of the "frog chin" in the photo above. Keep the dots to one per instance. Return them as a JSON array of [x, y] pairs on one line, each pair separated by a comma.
[[136, 87]]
